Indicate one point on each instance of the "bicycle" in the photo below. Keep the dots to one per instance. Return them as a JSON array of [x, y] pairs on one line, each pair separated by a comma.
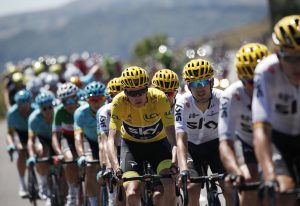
[[210, 182], [82, 189], [149, 179]]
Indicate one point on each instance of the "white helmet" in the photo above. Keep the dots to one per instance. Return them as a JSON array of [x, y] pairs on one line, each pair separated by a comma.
[[66, 90]]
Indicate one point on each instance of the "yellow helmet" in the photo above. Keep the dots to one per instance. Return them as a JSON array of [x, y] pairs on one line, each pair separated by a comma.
[[165, 80], [76, 80], [114, 86], [38, 68], [287, 32], [134, 77], [197, 69], [55, 68], [11, 68], [18, 78], [247, 57]]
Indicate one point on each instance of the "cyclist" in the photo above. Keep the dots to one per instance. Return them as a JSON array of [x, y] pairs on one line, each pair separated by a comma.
[[14, 82], [167, 81], [39, 128], [196, 124], [235, 121], [63, 136], [114, 87], [17, 118], [142, 117], [275, 108], [85, 126]]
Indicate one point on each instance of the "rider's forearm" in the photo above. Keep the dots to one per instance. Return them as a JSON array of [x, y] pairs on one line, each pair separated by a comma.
[[103, 150], [182, 151], [111, 150], [30, 146], [228, 157], [79, 143], [263, 150], [9, 139], [170, 130], [55, 144]]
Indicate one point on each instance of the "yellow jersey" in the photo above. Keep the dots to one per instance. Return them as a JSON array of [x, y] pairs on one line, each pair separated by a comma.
[[144, 124]]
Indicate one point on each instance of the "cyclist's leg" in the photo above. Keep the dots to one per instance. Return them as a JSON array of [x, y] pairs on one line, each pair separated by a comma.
[[216, 166], [130, 167], [43, 150], [92, 189], [21, 143], [71, 171], [248, 166], [162, 160]]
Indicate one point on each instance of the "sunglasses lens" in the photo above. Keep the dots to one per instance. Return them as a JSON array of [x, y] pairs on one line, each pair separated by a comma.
[[136, 93], [96, 99], [69, 101], [47, 108], [198, 83]]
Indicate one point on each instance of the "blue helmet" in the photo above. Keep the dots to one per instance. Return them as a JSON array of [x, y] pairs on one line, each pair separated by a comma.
[[95, 89], [45, 98], [81, 94], [23, 96]]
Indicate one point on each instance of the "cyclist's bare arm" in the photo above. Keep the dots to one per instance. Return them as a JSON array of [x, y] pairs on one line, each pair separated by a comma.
[[6, 99], [182, 148], [30, 145], [102, 141], [263, 149], [79, 142], [170, 130], [111, 148], [9, 137], [228, 157], [56, 142]]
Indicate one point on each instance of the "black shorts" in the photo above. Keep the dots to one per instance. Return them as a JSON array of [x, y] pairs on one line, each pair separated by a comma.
[[22, 137], [91, 148], [285, 154], [133, 154], [47, 146], [247, 152], [203, 155], [68, 144]]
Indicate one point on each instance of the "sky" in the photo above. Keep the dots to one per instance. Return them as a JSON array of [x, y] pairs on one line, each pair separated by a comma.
[[8, 7]]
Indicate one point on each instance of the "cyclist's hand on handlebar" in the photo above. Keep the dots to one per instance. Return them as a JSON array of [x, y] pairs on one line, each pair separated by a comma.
[[174, 169], [11, 148], [183, 176], [31, 161], [118, 175], [268, 188], [81, 161], [57, 159], [234, 180]]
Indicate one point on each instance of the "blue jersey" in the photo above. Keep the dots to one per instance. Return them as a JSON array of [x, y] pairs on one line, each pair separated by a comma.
[[85, 121], [15, 121], [38, 127]]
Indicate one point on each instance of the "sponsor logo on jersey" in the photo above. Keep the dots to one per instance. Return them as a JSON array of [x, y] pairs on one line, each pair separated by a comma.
[[102, 121], [150, 117], [178, 112], [200, 124], [144, 133]]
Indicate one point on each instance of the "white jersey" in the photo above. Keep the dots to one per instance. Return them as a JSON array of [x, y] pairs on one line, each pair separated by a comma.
[[200, 127], [235, 114], [275, 100]]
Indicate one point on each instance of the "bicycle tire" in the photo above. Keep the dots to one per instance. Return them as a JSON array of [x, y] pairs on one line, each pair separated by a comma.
[[33, 188], [104, 195]]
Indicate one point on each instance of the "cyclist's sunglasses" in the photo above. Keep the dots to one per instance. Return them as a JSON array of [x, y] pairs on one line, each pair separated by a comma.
[[289, 57], [247, 81], [136, 93], [199, 83], [47, 108], [98, 99], [68, 101], [171, 93]]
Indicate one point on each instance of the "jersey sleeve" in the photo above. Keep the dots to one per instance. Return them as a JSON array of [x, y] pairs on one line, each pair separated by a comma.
[[78, 125], [104, 119], [115, 120], [261, 104], [164, 106], [227, 116], [179, 116]]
